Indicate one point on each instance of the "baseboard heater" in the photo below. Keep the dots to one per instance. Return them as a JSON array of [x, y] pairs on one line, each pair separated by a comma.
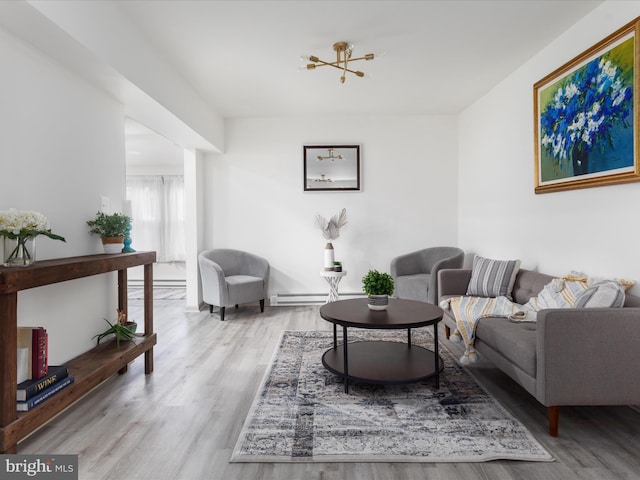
[[297, 299]]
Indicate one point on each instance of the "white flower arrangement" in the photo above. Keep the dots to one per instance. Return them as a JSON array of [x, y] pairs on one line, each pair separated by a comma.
[[14, 223], [22, 225]]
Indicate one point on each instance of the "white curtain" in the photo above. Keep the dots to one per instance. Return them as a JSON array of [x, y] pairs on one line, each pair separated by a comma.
[[157, 209]]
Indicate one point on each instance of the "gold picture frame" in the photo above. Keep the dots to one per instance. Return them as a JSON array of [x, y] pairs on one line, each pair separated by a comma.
[[586, 117]]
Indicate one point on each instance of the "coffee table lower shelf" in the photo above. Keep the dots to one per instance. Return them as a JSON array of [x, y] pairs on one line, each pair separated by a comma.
[[383, 363]]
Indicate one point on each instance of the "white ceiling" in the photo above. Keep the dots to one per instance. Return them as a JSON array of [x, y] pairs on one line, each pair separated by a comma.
[[440, 56], [243, 57]]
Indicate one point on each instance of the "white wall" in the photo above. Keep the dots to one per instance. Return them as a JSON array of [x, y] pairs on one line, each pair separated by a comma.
[[254, 198], [62, 147], [594, 230]]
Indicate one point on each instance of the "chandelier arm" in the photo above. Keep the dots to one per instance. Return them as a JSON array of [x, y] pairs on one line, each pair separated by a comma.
[[322, 64], [361, 58], [336, 64], [346, 61], [332, 64]]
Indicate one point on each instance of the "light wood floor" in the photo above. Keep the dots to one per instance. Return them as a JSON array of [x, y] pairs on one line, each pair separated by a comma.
[[182, 421]]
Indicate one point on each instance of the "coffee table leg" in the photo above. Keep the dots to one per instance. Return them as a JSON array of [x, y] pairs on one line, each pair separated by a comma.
[[335, 336], [435, 349], [409, 337], [346, 360]]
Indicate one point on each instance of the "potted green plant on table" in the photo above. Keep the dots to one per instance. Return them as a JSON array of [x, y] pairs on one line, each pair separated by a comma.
[[122, 329], [111, 229], [378, 286]]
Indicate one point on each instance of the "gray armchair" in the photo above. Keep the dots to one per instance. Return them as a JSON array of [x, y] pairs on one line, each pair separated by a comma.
[[232, 277], [416, 274]]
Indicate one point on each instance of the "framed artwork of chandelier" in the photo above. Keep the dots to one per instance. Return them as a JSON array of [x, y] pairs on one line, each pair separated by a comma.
[[331, 167]]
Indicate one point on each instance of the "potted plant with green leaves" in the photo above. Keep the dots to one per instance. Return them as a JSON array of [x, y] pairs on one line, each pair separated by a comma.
[[378, 286], [122, 329], [112, 229]]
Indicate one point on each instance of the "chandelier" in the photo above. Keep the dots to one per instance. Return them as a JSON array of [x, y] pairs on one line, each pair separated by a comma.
[[343, 58], [331, 156]]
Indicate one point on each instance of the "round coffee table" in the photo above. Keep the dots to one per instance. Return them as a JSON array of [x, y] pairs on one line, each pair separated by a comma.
[[382, 362]]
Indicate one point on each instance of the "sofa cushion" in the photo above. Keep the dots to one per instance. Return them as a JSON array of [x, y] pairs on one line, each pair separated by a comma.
[[516, 341], [492, 278]]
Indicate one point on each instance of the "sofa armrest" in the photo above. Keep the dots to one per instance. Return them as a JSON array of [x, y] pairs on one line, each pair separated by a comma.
[[453, 282], [588, 356]]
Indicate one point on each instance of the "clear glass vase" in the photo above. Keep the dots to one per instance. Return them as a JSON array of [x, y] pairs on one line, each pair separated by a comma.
[[19, 252]]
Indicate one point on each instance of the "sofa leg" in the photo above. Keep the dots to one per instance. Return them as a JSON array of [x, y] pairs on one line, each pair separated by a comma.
[[210, 308], [262, 305], [447, 332], [222, 314], [236, 306], [554, 417]]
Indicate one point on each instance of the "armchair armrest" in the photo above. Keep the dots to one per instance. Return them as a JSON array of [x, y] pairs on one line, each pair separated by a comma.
[[588, 356], [453, 282], [214, 287]]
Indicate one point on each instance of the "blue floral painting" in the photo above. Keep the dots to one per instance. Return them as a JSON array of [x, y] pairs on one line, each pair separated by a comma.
[[585, 122]]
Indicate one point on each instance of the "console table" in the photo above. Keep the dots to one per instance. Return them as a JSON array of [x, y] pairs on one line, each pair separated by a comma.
[[89, 369]]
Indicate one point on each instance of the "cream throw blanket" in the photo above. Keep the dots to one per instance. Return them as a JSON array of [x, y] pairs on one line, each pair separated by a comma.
[[573, 291]]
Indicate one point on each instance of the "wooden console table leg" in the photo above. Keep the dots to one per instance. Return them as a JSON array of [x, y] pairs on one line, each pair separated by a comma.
[[123, 303], [148, 314], [8, 373]]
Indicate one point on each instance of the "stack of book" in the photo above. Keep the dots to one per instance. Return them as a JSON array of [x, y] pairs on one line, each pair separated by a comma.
[[37, 381], [31, 393]]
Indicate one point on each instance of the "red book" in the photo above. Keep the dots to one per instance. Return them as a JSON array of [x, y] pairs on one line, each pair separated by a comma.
[[39, 358]]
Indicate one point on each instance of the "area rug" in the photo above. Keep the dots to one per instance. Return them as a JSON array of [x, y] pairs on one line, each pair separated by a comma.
[[302, 414]]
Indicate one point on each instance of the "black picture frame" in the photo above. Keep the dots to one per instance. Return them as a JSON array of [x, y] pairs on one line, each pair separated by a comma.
[[331, 168]]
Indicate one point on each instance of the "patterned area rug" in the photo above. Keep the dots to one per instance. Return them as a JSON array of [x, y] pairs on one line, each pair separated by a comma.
[[301, 413]]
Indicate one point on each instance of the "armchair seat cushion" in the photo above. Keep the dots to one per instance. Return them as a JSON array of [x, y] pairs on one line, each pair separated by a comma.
[[413, 287], [244, 288]]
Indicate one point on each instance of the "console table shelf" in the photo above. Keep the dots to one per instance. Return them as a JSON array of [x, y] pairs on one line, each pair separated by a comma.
[[89, 369]]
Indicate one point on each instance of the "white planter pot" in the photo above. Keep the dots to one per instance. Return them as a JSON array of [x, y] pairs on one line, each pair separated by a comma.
[[113, 244], [378, 302]]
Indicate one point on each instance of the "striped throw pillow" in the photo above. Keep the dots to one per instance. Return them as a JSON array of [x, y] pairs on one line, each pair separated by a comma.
[[492, 278]]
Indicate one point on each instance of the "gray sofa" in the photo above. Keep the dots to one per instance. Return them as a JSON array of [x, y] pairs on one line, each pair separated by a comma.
[[570, 356]]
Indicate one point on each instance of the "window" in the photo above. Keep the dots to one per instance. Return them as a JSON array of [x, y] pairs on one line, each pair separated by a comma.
[[157, 210]]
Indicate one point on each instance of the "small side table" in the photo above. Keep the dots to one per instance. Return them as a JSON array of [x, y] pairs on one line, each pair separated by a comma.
[[333, 279]]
